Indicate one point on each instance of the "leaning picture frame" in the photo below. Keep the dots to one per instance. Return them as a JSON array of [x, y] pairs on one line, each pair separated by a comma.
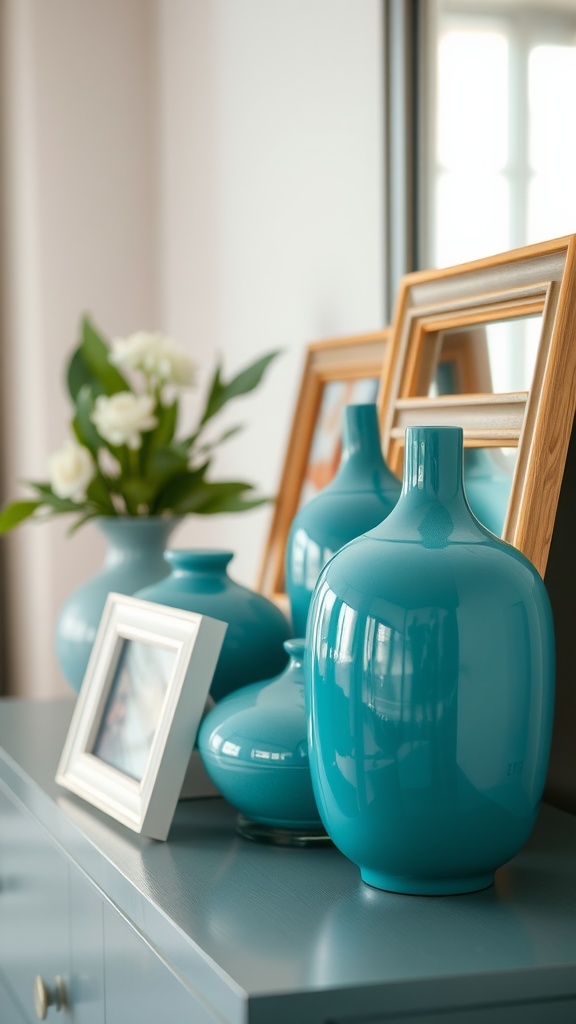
[[138, 711], [534, 282], [336, 371]]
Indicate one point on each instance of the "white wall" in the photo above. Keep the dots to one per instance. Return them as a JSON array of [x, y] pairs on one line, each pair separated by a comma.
[[271, 215], [210, 168], [80, 199]]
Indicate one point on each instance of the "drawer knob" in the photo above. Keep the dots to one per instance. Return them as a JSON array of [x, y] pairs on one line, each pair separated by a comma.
[[45, 997]]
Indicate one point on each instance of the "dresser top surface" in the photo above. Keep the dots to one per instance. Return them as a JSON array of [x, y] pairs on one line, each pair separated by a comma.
[[260, 920]]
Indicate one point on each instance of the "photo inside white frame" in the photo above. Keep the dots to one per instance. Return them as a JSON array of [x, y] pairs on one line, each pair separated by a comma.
[[133, 707]]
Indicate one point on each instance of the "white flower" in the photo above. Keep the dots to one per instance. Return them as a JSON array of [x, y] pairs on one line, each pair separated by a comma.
[[136, 352], [123, 417], [174, 366], [154, 354], [71, 468]]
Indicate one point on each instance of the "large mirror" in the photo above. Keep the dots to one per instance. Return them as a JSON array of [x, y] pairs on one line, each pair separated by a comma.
[[507, 300], [496, 162], [489, 166]]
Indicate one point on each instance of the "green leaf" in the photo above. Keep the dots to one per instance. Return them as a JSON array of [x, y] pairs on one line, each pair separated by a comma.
[[82, 424], [81, 520], [161, 437], [95, 353], [137, 491], [79, 376], [227, 496], [183, 491], [16, 512], [165, 463], [53, 501], [98, 493], [221, 392], [185, 495], [167, 416]]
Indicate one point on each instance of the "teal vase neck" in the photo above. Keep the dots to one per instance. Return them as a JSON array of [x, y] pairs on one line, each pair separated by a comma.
[[362, 461], [433, 459], [135, 537], [199, 562], [433, 509]]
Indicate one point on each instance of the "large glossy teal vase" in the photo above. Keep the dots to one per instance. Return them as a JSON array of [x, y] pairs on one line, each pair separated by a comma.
[[253, 647], [255, 749], [134, 558], [361, 494], [429, 686]]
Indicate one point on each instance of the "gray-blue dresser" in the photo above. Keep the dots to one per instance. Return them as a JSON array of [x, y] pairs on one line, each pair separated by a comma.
[[209, 928]]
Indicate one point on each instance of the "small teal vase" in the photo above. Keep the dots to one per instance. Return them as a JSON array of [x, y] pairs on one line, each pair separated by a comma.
[[253, 745], [430, 678], [134, 558], [361, 495], [253, 644]]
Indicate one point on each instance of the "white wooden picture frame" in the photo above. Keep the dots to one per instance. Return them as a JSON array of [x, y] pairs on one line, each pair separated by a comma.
[[138, 711]]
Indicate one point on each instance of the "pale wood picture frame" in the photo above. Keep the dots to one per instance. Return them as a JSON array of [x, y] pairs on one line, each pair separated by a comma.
[[134, 725], [536, 279], [348, 359]]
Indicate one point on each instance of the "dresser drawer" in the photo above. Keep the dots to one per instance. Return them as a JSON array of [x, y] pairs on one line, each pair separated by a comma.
[[140, 985], [34, 908], [86, 988], [9, 1012]]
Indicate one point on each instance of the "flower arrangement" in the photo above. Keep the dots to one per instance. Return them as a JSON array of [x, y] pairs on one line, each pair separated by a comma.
[[124, 458]]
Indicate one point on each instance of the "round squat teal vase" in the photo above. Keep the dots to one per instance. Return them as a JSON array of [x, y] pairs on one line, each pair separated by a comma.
[[134, 558], [429, 686], [254, 747], [253, 647], [361, 495]]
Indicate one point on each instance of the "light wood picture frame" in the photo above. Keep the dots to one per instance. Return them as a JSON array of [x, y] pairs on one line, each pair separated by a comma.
[[534, 280], [334, 367], [134, 724]]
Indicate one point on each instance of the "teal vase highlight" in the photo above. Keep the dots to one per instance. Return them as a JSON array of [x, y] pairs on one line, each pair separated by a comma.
[[253, 645], [134, 558], [361, 494], [430, 678], [254, 747]]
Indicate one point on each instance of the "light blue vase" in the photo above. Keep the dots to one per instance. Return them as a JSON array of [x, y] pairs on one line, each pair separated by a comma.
[[253, 647], [430, 675], [134, 558], [254, 748], [488, 485], [361, 495]]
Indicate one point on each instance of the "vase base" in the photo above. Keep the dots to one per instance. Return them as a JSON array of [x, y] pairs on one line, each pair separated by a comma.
[[277, 836], [428, 886]]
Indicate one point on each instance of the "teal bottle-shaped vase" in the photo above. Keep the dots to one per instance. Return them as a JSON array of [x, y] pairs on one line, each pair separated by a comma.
[[361, 495], [430, 677], [254, 747], [253, 645], [134, 557]]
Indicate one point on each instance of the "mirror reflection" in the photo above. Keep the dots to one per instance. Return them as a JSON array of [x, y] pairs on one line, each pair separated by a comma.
[[497, 357], [500, 160], [488, 476]]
